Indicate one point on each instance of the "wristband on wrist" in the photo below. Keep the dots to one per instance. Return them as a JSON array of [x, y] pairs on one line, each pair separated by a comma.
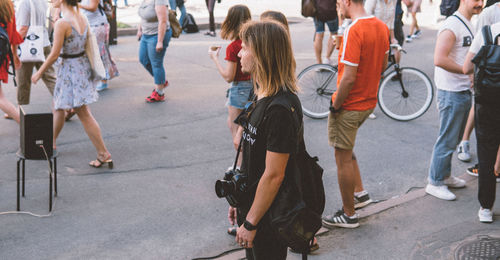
[[249, 226]]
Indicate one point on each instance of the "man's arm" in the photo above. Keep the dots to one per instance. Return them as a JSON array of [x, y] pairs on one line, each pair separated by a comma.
[[468, 67], [345, 86], [444, 44]]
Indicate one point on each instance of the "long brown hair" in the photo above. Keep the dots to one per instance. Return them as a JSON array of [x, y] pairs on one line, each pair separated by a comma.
[[236, 17], [6, 11], [274, 68], [276, 16]]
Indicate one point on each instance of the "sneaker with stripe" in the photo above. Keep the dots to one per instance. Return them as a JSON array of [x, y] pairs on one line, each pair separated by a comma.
[[362, 200], [340, 219]]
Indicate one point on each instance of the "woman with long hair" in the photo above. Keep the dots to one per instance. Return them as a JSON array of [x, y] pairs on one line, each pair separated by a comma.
[[271, 135], [75, 85], [93, 10], [8, 22]]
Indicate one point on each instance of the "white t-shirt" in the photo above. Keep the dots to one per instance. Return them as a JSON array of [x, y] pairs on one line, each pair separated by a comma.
[[446, 80], [382, 10], [489, 15], [23, 16], [478, 41]]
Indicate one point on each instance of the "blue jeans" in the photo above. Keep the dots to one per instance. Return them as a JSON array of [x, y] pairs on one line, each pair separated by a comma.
[[182, 8], [453, 109], [151, 59]]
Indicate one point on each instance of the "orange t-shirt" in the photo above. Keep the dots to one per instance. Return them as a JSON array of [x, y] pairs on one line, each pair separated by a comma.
[[365, 43]]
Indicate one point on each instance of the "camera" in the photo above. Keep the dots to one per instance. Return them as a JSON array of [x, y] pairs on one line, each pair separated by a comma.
[[233, 187]]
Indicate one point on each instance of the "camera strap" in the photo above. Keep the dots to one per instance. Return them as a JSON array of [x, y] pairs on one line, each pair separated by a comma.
[[237, 154]]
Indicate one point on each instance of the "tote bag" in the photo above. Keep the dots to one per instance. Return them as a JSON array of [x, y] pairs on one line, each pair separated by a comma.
[[92, 51], [31, 50]]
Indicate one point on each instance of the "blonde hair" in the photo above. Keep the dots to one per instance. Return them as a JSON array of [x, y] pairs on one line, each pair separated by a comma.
[[6, 11], [270, 45], [236, 17]]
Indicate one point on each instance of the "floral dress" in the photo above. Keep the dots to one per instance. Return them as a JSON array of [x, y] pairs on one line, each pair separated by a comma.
[[75, 85]]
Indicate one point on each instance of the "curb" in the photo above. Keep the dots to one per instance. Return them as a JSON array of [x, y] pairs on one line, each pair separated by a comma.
[[366, 212]]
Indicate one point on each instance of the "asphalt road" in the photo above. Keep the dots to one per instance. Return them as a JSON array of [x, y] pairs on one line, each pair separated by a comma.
[[159, 201]]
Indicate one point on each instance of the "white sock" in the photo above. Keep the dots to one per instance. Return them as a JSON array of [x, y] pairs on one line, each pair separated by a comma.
[[463, 142], [361, 193], [159, 91]]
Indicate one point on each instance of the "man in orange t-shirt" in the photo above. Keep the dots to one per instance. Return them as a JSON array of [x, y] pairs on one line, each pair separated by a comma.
[[362, 57]]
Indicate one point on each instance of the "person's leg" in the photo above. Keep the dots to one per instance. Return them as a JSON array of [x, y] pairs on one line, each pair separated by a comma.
[[333, 27], [143, 53], [469, 126], [173, 4], [210, 6], [346, 179], [157, 59], [7, 107], [23, 76], [413, 25], [58, 124], [463, 149], [487, 129], [182, 8], [399, 34], [318, 39], [453, 111], [126, 2], [358, 184], [93, 131]]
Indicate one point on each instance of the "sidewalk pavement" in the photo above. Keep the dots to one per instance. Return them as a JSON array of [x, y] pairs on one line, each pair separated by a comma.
[[412, 226]]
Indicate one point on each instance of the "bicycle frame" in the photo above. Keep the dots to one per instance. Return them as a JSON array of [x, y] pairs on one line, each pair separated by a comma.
[[393, 63]]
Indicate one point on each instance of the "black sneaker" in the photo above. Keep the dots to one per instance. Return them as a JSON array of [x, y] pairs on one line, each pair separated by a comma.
[[361, 201], [340, 219]]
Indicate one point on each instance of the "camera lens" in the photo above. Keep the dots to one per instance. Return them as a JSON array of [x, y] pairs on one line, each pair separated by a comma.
[[223, 188]]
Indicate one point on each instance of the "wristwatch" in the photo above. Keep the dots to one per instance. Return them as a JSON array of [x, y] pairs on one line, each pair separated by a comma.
[[333, 110], [249, 226]]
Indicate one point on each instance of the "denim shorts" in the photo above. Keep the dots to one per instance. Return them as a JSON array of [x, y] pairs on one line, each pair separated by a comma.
[[333, 25], [239, 94]]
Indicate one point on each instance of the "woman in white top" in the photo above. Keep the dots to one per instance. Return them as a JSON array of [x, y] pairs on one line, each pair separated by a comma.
[[384, 10]]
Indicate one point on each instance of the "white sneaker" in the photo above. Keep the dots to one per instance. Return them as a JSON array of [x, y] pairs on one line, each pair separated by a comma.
[[485, 215], [454, 182], [327, 61], [440, 192], [463, 153], [372, 116]]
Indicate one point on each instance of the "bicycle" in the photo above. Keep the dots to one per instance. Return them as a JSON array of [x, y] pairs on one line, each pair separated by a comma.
[[404, 94]]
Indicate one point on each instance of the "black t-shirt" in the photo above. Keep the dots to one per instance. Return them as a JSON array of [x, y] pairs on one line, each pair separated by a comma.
[[274, 130]]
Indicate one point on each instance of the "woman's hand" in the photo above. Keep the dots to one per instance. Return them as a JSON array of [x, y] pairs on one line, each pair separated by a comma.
[[139, 34], [231, 215], [244, 237], [159, 46], [213, 53], [36, 77], [17, 62]]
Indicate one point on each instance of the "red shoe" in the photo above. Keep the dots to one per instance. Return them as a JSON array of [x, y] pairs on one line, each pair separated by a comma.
[[155, 97]]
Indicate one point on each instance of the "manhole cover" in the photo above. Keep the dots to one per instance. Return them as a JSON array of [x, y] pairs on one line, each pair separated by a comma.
[[482, 248]]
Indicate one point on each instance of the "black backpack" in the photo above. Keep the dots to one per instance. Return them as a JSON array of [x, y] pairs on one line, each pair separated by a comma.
[[189, 25], [6, 52], [487, 70], [448, 7], [300, 202]]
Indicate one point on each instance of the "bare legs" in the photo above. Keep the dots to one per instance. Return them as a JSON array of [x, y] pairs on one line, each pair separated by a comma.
[[469, 126], [349, 178], [318, 46], [7, 107], [91, 128], [414, 24]]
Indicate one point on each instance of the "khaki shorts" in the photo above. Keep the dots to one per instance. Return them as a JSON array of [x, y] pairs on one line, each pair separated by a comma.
[[343, 127]]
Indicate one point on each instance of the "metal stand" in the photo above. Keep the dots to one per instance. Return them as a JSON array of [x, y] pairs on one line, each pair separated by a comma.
[[21, 163]]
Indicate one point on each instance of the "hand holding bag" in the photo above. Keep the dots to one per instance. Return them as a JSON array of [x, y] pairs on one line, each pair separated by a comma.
[[31, 50], [92, 51]]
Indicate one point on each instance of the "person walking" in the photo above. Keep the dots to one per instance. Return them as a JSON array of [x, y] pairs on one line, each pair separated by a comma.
[[211, 19], [487, 124], [8, 22], [75, 86], [23, 14], [174, 4], [326, 13], [413, 7], [155, 34], [364, 54], [99, 25], [453, 95], [272, 135]]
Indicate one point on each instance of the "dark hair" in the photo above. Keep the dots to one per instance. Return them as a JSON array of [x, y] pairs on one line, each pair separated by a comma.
[[236, 16], [276, 16], [73, 2]]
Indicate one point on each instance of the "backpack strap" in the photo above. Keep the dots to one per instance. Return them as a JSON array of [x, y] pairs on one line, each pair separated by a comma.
[[487, 35], [465, 25]]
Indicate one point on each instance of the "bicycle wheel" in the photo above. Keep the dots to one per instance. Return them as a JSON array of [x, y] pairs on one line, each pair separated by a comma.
[[408, 104], [317, 84]]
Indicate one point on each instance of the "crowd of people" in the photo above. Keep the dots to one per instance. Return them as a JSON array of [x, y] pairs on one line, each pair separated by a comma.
[[260, 67]]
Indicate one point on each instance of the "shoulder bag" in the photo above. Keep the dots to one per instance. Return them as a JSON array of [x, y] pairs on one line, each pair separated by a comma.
[[31, 50], [93, 54]]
